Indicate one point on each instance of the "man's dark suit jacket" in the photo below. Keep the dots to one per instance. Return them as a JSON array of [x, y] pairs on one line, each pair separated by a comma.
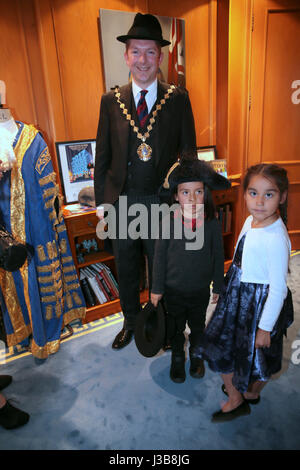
[[175, 133]]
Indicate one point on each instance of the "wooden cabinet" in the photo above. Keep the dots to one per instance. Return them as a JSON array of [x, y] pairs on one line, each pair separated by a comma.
[[83, 227], [227, 200]]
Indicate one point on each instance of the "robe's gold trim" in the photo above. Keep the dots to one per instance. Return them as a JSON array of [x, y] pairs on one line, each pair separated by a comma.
[[67, 259], [21, 330], [43, 160], [75, 285], [74, 314], [69, 300], [50, 268], [63, 246], [51, 178], [70, 278], [41, 253], [48, 312], [42, 352], [15, 338], [68, 269], [61, 228], [18, 203], [53, 191], [77, 299]]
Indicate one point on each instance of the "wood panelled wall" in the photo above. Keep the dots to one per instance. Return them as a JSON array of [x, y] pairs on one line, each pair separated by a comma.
[[50, 58], [53, 69]]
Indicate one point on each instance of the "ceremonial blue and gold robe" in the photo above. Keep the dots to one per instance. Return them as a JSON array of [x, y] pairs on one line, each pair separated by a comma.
[[44, 294]]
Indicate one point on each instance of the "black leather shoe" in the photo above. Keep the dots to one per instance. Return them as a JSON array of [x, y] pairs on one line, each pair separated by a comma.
[[177, 371], [5, 380], [252, 401], [11, 417], [197, 368], [122, 339], [222, 416]]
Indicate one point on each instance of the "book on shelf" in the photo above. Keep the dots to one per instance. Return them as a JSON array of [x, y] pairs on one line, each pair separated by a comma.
[[224, 215], [109, 277], [91, 278], [104, 286], [220, 166], [228, 217], [88, 293]]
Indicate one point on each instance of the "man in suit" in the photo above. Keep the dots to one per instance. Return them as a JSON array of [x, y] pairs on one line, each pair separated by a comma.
[[143, 126]]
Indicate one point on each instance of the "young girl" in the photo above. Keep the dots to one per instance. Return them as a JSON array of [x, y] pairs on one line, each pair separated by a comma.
[[184, 275], [243, 339]]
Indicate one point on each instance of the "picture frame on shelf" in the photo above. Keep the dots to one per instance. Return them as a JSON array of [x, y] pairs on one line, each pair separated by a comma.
[[76, 161], [220, 166], [207, 153]]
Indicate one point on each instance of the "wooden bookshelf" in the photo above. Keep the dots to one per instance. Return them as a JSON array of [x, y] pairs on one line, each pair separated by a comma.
[[83, 226], [223, 199]]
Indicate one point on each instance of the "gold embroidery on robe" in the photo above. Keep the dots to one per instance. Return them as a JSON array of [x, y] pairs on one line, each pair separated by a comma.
[[51, 178], [41, 253], [48, 312], [42, 161]]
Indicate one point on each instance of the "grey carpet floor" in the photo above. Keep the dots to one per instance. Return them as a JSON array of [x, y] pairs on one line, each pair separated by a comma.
[[88, 397]]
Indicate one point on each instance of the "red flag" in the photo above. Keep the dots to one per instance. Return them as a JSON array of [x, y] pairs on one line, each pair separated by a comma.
[[176, 69]]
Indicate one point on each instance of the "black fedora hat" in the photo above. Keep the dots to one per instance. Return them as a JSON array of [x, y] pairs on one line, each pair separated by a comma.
[[145, 27], [150, 329]]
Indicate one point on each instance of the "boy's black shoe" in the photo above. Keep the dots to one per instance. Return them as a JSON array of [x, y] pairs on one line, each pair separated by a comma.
[[177, 371], [11, 417], [197, 368]]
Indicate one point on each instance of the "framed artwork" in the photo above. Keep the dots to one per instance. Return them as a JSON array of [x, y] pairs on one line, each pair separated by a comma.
[[207, 153], [220, 166], [113, 23], [76, 160]]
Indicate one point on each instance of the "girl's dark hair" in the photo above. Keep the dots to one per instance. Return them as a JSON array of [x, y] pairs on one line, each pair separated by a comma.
[[277, 175]]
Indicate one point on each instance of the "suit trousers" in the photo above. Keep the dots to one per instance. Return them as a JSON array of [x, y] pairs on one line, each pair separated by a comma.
[[128, 252], [182, 309]]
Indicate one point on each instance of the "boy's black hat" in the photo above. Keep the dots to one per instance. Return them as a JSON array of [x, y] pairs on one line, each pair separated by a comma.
[[150, 329], [145, 27], [185, 171]]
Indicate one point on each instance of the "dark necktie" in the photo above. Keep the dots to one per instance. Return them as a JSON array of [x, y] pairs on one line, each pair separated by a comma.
[[142, 109]]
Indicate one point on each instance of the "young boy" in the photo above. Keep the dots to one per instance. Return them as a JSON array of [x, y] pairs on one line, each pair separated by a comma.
[[181, 273]]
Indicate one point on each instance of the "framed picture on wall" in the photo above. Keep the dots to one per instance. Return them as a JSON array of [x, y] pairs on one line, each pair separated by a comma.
[[113, 23], [207, 153], [76, 161]]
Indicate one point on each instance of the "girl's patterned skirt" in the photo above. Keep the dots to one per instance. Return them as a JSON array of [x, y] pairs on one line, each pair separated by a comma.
[[229, 339]]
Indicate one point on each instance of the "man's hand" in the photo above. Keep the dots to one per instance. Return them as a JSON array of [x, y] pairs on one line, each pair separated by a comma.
[[215, 298], [155, 298], [100, 212]]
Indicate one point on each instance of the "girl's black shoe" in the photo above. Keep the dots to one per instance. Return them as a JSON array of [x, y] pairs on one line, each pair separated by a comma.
[[252, 401], [222, 416]]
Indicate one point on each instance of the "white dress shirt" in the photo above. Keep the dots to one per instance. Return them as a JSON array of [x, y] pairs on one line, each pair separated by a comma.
[[150, 96]]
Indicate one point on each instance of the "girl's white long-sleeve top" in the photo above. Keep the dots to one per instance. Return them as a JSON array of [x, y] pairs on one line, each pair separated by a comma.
[[265, 260]]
